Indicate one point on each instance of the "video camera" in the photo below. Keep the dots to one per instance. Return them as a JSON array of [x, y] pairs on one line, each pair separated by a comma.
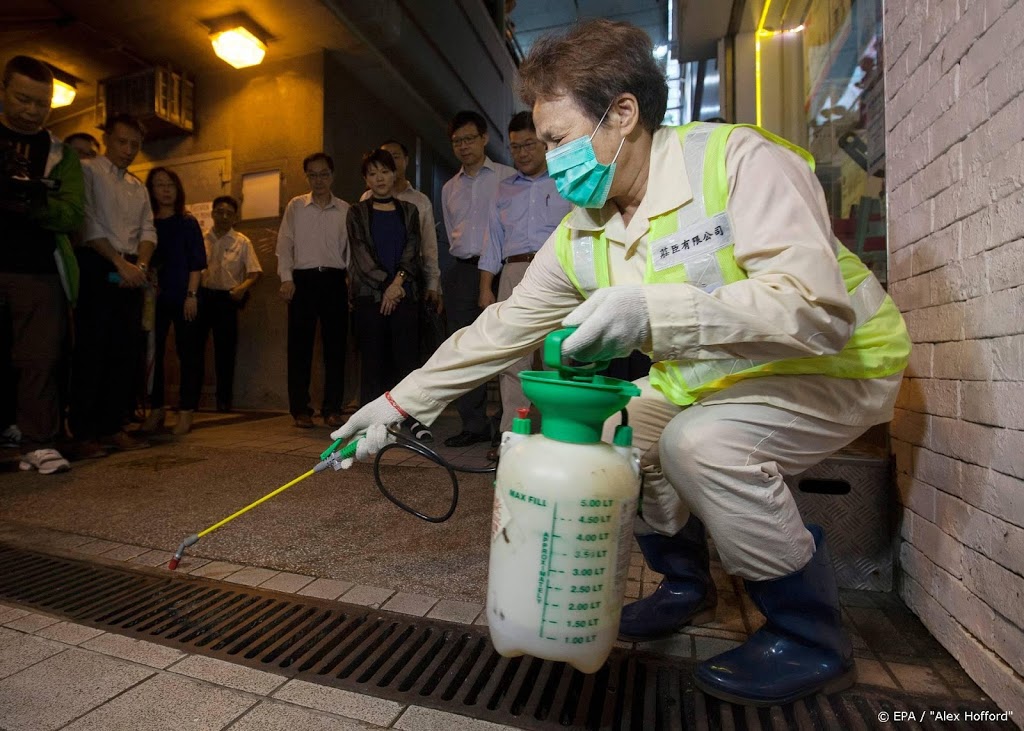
[[19, 191]]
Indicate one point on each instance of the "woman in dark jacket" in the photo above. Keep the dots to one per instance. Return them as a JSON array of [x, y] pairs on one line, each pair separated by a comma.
[[386, 271], [179, 259]]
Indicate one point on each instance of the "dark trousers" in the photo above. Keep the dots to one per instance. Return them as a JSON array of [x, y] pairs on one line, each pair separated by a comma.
[[108, 320], [320, 296], [172, 314], [219, 313], [461, 293], [388, 345], [33, 310]]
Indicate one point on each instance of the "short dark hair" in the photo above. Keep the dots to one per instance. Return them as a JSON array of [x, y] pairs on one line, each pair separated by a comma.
[[467, 116], [126, 120], [230, 200], [33, 68], [179, 198], [405, 150], [521, 121], [310, 159], [377, 157], [84, 136], [594, 62]]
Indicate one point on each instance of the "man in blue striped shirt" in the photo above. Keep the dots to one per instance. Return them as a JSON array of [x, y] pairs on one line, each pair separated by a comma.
[[526, 212], [466, 201]]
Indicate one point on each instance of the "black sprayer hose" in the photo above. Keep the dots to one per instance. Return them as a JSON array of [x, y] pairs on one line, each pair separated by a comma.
[[404, 442]]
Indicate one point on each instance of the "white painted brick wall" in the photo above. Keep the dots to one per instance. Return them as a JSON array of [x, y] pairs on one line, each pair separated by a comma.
[[955, 196], [996, 677], [998, 404], [999, 634]]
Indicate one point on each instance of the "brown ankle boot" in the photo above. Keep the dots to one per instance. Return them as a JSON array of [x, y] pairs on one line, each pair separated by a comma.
[[184, 425]]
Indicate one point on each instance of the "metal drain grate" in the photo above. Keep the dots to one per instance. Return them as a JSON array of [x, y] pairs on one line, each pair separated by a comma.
[[412, 660]]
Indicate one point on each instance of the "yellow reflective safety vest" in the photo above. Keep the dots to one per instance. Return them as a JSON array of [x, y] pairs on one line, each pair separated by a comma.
[[694, 245]]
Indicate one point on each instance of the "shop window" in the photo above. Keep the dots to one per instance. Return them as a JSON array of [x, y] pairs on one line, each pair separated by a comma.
[[845, 105]]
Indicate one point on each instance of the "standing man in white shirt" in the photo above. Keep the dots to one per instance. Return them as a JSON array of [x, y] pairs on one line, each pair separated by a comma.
[[526, 212], [466, 201], [312, 256], [118, 241], [428, 232], [232, 267]]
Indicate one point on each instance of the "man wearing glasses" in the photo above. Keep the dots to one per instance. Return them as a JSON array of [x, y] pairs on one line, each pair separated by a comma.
[[466, 202], [526, 212], [312, 255]]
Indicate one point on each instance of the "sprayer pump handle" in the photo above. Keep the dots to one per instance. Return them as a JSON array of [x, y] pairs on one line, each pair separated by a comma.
[[553, 356]]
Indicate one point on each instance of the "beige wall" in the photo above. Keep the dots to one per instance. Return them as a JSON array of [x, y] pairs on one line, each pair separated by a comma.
[[955, 105]]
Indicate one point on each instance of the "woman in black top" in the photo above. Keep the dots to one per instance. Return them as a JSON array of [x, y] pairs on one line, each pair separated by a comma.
[[179, 259], [386, 271]]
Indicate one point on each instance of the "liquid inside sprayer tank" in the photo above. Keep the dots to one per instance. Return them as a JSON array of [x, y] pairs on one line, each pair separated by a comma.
[[560, 546], [561, 533]]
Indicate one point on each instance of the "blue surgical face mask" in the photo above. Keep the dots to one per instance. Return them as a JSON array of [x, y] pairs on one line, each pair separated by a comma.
[[578, 176]]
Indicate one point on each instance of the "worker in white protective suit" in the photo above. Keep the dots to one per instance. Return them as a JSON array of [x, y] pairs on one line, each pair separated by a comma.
[[709, 247]]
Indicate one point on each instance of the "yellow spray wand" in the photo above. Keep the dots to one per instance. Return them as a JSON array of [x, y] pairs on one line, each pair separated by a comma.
[[330, 457]]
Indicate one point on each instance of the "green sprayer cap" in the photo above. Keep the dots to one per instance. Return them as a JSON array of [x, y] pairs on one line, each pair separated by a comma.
[[574, 402]]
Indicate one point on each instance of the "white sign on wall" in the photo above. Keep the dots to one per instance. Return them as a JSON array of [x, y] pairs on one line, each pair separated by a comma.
[[203, 213], [261, 195]]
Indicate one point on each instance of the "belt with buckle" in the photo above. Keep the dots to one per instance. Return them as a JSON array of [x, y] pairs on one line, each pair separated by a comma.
[[519, 258], [320, 269]]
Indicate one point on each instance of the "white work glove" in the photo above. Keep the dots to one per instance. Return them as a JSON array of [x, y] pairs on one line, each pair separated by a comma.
[[613, 323], [371, 422]]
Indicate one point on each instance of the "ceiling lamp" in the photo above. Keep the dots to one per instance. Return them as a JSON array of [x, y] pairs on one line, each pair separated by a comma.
[[238, 47], [63, 94]]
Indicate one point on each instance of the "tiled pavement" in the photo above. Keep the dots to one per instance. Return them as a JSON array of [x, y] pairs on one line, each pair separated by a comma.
[[58, 675]]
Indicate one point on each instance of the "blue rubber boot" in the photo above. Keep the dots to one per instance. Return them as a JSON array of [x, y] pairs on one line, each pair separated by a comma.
[[687, 593], [802, 649]]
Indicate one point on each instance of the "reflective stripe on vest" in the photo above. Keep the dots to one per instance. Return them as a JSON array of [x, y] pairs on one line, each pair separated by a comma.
[[694, 245]]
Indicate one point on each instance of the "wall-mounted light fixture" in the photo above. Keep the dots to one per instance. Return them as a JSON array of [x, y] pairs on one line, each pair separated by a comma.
[[238, 47], [63, 94], [238, 40], [64, 87]]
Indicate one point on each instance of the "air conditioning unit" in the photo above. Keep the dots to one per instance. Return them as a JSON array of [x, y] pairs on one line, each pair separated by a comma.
[[163, 100]]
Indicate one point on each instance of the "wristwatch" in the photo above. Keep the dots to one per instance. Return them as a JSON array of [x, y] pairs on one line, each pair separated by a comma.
[[191, 294], [401, 274]]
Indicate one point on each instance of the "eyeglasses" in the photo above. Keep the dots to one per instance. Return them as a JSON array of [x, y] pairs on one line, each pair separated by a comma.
[[525, 147], [319, 176], [468, 139]]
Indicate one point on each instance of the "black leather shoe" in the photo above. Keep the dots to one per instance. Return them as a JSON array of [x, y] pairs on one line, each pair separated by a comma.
[[466, 438]]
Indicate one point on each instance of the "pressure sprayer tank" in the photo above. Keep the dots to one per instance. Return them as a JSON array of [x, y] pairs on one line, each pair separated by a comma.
[[561, 533]]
